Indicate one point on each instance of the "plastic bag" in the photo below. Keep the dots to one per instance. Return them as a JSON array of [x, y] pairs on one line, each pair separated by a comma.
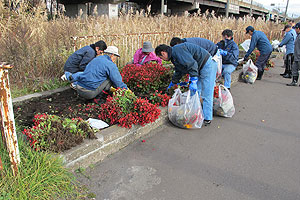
[[246, 44], [184, 110], [275, 45], [218, 58], [249, 72], [223, 102]]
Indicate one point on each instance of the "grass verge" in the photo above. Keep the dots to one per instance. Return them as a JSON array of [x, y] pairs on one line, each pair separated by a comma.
[[41, 176]]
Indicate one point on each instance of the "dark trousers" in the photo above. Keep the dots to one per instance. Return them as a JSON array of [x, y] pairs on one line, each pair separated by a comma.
[[90, 94], [262, 61], [288, 62]]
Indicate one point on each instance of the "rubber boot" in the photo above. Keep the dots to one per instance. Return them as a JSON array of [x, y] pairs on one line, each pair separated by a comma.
[[294, 81], [284, 73], [260, 74], [286, 67]]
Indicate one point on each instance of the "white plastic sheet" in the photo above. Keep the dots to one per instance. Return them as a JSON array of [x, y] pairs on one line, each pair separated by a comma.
[[96, 123], [246, 44]]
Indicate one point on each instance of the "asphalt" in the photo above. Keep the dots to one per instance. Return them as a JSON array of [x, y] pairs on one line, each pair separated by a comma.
[[254, 155]]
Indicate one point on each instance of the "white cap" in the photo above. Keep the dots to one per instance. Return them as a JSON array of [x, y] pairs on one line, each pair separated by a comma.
[[113, 50]]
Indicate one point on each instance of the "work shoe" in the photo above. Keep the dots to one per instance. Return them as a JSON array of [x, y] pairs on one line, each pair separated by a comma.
[[207, 122], [73, 86], [294, 81], [288, 75]]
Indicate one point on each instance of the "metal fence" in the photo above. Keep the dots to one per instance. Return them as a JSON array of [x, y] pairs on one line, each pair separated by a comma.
[[129, 43]]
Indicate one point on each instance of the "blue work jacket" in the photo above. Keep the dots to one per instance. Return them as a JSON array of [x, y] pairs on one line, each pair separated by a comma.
[[289, 41], [204, 43], [232, 52], [189, 59], [98, 70], [79, 59], [259, 40]]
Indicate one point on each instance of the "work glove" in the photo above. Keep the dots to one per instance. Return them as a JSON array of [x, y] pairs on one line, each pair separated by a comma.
[[183, 84], [193, 85], [223, 52], [64, 78], [171, 85]]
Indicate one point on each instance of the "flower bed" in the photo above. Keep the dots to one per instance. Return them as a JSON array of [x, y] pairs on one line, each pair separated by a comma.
[[255, 54]]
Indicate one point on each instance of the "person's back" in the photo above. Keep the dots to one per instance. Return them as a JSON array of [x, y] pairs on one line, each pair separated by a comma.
[[99, 70], [204, 43], [262, 42], [184, 54], [79, 59]]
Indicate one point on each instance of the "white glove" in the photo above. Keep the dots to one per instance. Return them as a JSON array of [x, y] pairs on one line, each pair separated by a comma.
[[240, 60], [64, 78]]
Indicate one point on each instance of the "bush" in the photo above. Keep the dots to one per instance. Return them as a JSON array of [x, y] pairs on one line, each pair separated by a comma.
[[50, 132], [159, 99], [125, 109], [146, 79]]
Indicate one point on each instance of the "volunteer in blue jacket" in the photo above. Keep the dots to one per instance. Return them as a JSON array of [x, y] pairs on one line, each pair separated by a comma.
[[202, 42], [77, 62], [230, 55], [191, 59], [259, 40], [288, 40], [100, 74]]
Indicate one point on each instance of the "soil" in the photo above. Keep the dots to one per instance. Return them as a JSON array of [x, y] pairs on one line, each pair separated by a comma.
[[61, 104]]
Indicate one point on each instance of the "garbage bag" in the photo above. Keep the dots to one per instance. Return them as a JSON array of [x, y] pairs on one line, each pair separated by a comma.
[[249, 72], [275, 46], [184, 110], [246, 45], [223, 102], [218, 58]]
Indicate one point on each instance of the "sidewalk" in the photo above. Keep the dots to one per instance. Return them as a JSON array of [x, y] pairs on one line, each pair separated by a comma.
[[254, 155]]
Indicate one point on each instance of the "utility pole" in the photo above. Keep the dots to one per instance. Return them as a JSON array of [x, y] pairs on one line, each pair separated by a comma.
[[251, 8], [162, 7], [287, 4], [227, 9]]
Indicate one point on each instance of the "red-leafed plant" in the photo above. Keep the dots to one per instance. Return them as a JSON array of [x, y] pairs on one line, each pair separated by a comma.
[[125, 109], [144, 80], [159, 99]]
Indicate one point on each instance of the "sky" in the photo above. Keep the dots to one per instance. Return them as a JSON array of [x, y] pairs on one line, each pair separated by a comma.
[[293, 9]]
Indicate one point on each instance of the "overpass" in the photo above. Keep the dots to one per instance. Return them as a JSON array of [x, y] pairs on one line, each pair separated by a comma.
[[237, 8]]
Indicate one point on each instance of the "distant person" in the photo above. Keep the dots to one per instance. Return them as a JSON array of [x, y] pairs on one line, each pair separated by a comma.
[[77, 62], [230, 55], [259, 40], [145, 55], [296, 64], [191, 59], [288, 40], [202, 42], [100, 74]]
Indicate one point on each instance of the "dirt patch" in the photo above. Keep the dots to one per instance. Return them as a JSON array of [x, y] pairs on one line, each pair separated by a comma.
[[64, 104]]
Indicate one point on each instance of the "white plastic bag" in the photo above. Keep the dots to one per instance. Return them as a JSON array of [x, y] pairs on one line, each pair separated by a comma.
[[246, 44], [223, 102], [249, 72], [275, 45], [184, 110], [218, 58]]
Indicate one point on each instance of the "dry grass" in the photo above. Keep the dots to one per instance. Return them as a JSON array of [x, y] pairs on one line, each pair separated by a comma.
[[38, 48]]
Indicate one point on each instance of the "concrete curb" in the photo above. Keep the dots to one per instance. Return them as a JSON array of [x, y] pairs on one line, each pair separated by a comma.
[[29, 97], [110, 140]]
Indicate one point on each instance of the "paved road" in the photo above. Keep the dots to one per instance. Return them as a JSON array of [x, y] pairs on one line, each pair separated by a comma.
[[254, 155]]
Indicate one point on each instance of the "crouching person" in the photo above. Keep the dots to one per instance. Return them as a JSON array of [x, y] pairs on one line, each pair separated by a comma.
[[230, 55], [78, 61], [100, 74], [191, 59]]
